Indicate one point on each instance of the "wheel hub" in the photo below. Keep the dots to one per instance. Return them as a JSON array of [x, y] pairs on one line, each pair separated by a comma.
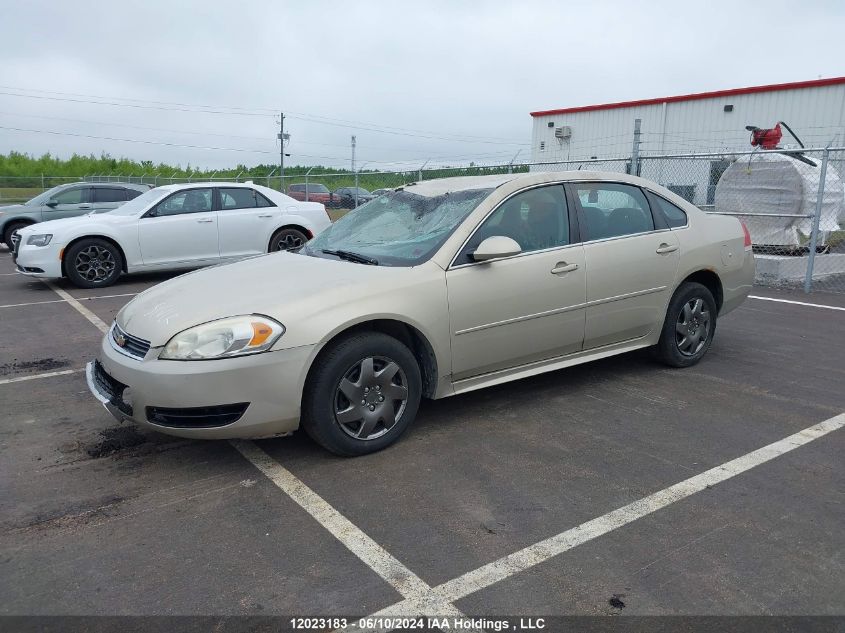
[[370, 398]]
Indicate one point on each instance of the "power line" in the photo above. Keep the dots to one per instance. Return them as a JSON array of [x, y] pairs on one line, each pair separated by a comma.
[[236, 111]]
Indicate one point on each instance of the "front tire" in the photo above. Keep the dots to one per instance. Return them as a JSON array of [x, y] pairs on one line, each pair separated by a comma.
[[362, 394], [689, 326], [93, 263], [11, 228]]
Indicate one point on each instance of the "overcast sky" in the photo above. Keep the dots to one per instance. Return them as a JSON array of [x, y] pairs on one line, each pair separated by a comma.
[[402, 72]]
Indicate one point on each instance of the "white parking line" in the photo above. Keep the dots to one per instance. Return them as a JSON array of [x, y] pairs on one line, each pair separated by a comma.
[[93, 318], [49, 374], [36, 303], [532, 555], [31, 303], [402, 579], [798, 303]]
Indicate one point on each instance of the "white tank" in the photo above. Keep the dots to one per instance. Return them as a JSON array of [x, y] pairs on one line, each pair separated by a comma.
[[767, 183]]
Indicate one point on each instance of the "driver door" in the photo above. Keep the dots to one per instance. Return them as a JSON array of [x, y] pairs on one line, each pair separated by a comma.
[[524, 308], [68, 203], [181, 230]]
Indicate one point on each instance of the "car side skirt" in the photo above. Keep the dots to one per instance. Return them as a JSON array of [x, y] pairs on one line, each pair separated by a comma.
[[552, 364]]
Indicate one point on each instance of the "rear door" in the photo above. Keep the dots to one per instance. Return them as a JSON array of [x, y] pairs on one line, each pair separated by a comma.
[[104, 199], [181, 230], [245, 222], [631, 262]]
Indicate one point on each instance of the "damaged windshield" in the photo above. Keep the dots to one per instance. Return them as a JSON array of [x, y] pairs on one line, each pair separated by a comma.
[[400, 228]]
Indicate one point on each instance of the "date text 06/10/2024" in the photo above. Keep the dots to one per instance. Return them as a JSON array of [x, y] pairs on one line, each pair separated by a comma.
[[421, 624]]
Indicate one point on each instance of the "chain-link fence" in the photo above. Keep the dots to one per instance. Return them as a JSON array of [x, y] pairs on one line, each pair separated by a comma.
[[791, 201]]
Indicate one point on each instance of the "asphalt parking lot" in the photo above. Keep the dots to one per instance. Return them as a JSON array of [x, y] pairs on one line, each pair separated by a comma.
[[502, 502]]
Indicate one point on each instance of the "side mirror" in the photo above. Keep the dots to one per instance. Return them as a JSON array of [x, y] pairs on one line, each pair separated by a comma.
[[593, 196], [52, 204], [495, 247]]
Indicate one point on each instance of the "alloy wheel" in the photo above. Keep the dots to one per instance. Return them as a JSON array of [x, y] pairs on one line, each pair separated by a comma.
[[289, 242], [370, 398], [692, 328], [95, 263]]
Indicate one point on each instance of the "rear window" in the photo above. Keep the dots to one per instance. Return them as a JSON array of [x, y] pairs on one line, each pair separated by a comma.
[[106, 194], [675, 216]]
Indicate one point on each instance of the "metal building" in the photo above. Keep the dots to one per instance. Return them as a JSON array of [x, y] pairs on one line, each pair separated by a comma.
[[702, 122]]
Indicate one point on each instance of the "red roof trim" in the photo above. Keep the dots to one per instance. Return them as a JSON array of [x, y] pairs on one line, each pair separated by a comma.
[[816, 83]]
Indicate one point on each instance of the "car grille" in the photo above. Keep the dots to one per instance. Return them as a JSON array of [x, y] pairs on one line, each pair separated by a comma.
[[16, 243], [111, 388], [128, 344], [197, 417]]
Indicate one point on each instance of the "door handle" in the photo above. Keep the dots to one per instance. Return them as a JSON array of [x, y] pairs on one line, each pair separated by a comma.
[[563, 267], [266, 215], [84, 206], [666, 248], [208, 221]]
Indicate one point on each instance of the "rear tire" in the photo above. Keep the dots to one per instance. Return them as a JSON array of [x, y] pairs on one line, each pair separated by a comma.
[[689, 326], [93, 263], [11, 228], [287, 240], [362, 394]]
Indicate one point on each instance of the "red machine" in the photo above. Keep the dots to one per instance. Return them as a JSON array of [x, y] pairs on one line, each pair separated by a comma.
[[767, 139], [770, 139]]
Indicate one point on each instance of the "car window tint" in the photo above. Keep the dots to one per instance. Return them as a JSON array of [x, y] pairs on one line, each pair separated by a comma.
[[131, 194], [317, 189], [536, 219], [675, 216], [237, 198], [262, 201], [106, 194], [612, 210], [190, 201], [71, 196]]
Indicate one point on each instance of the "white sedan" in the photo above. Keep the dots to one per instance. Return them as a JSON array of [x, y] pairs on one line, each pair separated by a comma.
[[168, 228]]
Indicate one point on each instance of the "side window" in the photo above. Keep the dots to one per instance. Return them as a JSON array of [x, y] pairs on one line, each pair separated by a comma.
[[237, 198], [675, 216], [131, 194], [262, 201], [536, 219], [105, 194], [613, 210], [190, 201], [77, 195]]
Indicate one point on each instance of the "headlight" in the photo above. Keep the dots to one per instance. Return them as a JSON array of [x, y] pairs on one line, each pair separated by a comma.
[[234, 336], [42, 239]]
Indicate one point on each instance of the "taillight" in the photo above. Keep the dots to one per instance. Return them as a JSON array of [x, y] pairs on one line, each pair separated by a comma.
[[747, 243]]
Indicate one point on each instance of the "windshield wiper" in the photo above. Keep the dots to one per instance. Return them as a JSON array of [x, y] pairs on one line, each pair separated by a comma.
[[352, 257]]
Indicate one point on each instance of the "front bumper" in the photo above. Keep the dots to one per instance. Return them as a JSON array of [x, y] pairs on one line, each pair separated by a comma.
[[38, 261], [270, 384]]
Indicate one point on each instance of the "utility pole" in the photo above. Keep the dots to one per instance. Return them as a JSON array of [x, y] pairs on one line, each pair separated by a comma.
[[635, 151], [353, 152], [281, 152]]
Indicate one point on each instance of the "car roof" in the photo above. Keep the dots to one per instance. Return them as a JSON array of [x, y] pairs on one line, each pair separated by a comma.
[[129, 185], [466, 183], [193, 185]]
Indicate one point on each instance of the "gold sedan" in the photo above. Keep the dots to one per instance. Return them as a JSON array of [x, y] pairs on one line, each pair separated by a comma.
[[433, 289]]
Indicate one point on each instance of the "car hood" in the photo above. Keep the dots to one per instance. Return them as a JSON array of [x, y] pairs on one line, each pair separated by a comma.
[[10, 208], [57, 226], [288, 287]]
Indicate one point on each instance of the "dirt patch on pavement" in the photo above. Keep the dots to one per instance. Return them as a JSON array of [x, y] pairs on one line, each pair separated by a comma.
[[115, 440], [44, 364]]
